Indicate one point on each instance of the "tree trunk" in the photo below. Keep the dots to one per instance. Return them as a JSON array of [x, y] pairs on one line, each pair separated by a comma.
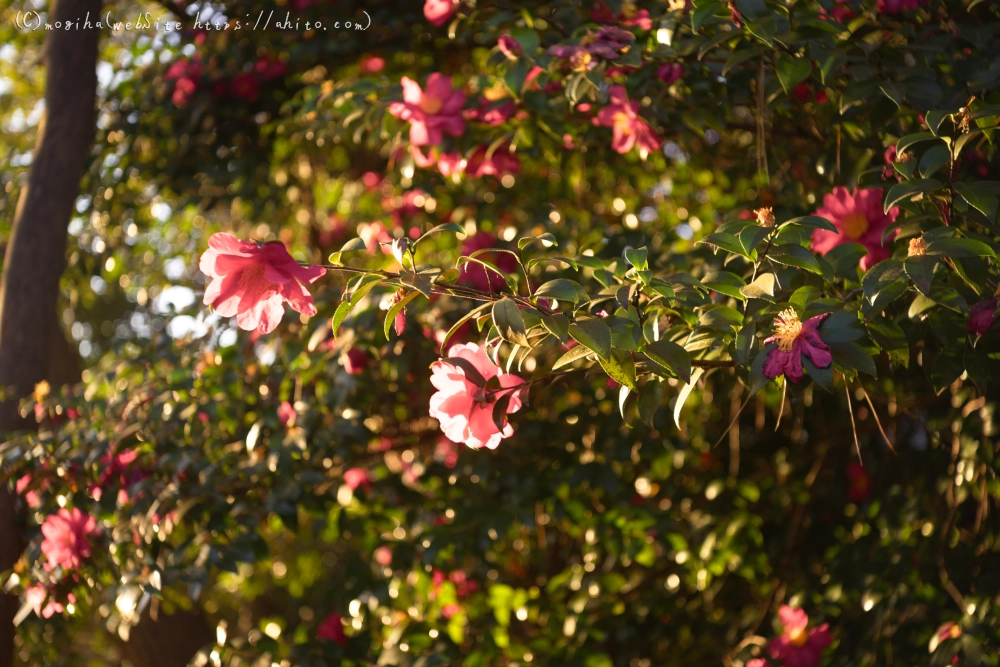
[[36, 250]]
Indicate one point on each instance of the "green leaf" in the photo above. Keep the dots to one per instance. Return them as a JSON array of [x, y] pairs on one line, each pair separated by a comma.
[[509, 323], [527, 38], [365, 285], [547, 240], [515, 75], [764, 29], [845, 259], [904, 191], [933, 159], [912, 139], [955, 247], [751, 236], [921, 271], [562, 289], [726, 241], [650, 397], [841, 327], [761, 288], [593, 334], [446, 227], [390, 317], [949, 297], [354, 245], [637, 258], [725, 282], [880, 276], [792, 254], [821, 376], [578, 352], [792, 71], [980, 197], [672, 356], [852, 356], [890, 338], [757, 379], [684, 393], [557, 325], [620, 367], [704, 11], [977, 365], [811, 222], [465, 318]]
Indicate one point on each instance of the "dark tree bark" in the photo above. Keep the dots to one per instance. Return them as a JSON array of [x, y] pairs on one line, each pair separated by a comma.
[[36, 250]]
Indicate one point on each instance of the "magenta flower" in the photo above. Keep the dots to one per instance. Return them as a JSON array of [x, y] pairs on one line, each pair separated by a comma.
[[431, 113], [439, 12], [286, 414], [477, 276], [795, 339], [355, 361], [509, 46], [859, 218], [670, 73], [982, 316], [799, 646], [355, 477], [252, 282], [66, 544], [465, 410], [490, 113], [628, 128], [502, 162], [332, 629], [450, 163], [897, 6]]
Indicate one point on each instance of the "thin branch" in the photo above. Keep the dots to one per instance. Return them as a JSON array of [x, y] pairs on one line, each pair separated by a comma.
[[854, 427], [875, 415]]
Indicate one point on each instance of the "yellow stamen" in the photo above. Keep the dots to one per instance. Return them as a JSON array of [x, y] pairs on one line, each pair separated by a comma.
[[250, 274], [798, 636], [854, 226], [918, 247], [787, 328], [431, 104]]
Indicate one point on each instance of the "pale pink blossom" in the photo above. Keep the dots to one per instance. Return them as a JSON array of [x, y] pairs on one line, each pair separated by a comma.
[[66, 541], [431, 112], [254, 281], [286, 414], [628, 128], [36, 595], [465, 410]]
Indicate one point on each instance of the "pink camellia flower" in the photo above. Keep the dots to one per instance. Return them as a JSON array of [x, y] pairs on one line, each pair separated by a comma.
[[897, 6], [332, 629], [860, 483], [982, 316], [758, 662], [477, 276], [795, 339], [383, 556], [464, 409], [286, 414], [500, 163], [450, 610], [628, 128], [32, 498], [355, 361], [252, 282], [450, 163], [372, 65], [439, 12], [245, 86], [66, 544], [118, 469], [670, 73], [37, 594], [431, 112], [799, 646], [509, 46], [355, 477], [493, 114], [859, 218]]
